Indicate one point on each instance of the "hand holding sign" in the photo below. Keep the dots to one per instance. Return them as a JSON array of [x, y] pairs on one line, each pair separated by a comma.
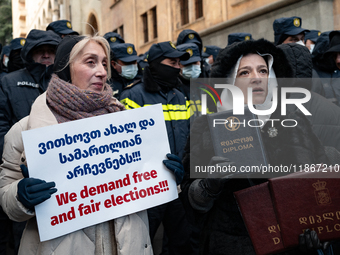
[[174, 164], [32, 191], [105, 167]]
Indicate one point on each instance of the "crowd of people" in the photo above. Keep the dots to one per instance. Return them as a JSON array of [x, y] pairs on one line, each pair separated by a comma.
[[57, 76]]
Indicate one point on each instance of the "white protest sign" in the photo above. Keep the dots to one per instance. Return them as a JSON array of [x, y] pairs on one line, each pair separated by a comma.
[[104, 167]]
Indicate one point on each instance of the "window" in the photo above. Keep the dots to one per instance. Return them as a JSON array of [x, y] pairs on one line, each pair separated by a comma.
[[145, 27], [199, 8], [154, 21], [184, 12], [121, 31]]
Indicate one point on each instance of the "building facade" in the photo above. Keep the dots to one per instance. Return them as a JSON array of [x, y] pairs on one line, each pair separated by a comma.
[[37, 14], [150, 21], [144, 22]]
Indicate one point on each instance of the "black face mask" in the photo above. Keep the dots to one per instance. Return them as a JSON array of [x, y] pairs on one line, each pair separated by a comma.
[[166, 76], [15, 61]]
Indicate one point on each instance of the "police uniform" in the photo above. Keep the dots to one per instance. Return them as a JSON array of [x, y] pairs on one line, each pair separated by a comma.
[[284, 27], [113, 38], [125, 52], [19, 89], [62, 27], [191, 36], [15, 61], [176, 114], [176, 108], [191, 93], [312, 35], [238, 37]]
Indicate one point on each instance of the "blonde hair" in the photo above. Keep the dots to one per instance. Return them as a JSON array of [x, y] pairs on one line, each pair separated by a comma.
[[78, 47]]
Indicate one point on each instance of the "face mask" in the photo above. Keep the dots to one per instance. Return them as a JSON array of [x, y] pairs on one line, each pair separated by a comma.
[[6, 61], [312, 48], [165, 75], [129, 71], [192, 71], [301, 43]]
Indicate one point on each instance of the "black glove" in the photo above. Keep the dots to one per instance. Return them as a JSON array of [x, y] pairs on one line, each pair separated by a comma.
[[32, 191], [309, 243], [174, 164], [214, 186]]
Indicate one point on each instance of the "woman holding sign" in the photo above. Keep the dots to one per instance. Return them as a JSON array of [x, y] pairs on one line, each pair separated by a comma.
[[77, 90], [254, 65]]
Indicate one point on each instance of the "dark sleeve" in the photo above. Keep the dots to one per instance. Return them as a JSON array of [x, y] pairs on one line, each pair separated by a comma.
[[317, 86], [198, 152], [5, 117], [131, 98]]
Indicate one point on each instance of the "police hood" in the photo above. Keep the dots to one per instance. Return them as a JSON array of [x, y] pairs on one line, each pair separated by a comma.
[[320, 60], [36, 38]]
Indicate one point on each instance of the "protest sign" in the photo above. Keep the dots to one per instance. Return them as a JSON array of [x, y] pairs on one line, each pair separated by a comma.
[[104, 167]]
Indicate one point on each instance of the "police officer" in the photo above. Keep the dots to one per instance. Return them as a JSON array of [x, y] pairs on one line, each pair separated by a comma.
[[310, 39], [124, 67], [158, 85], [209, 55], [238, 37], [191, 36], [15, 61], [288, 30], [113, 38], [62, 28], [4, 59], [190, 71], [19, 89]]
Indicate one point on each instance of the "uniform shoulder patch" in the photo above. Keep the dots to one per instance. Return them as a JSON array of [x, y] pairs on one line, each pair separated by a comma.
[[133, 84]]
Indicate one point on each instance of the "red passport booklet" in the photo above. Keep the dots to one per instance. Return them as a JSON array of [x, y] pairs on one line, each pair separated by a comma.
[[312, 202], [258, 213]]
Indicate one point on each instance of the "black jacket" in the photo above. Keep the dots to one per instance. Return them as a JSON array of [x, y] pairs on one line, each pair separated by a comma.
[[19, 89], [175, 108], [223, 229], [118, 83], [325, 118], [324, 68]]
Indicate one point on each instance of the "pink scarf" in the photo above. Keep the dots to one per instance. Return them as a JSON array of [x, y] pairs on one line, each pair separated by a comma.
[[67, 102]]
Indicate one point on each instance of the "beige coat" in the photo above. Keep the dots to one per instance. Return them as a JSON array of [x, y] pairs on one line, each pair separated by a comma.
[[128, 235]]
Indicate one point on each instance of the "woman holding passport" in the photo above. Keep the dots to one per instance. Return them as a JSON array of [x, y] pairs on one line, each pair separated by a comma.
[[254, 64], [77, 90]]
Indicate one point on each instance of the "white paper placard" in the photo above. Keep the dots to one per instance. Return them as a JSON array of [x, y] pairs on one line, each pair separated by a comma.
[[104, 167]]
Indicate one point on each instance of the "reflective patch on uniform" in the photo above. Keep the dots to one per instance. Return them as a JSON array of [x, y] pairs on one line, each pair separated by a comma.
[[129, 104], [27, 83]]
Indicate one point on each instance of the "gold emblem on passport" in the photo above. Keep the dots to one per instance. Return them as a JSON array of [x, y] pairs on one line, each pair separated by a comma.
[[172, 45], [247, 38], [191, 36], [68, 24], [189, 51], [113, 39], [22, 42], [322, 195], [232, 123], [129, 50], [296, 22]]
